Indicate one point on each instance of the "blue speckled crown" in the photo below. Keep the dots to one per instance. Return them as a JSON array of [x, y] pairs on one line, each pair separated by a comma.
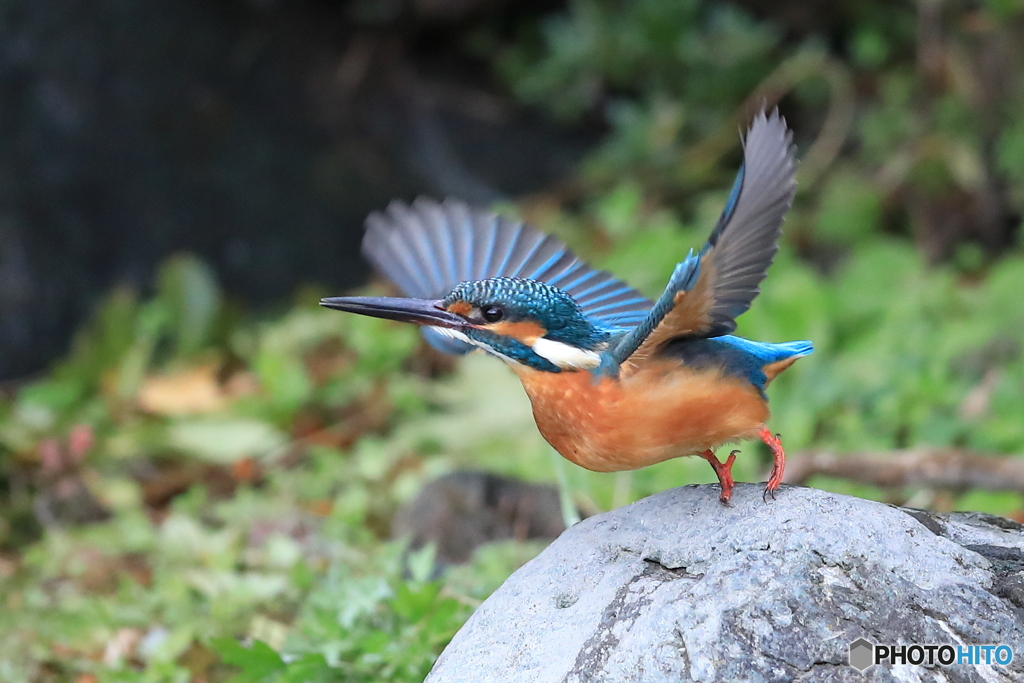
[[521, 299]]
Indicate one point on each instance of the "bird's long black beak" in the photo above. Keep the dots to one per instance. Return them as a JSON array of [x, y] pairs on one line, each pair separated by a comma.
[[420, 311]]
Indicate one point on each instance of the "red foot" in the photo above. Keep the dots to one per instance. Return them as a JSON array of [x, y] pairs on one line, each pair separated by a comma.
[[778, 461], [724, 472]]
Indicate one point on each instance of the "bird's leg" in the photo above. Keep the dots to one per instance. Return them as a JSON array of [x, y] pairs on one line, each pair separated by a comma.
[[724, 472], [774, 442]]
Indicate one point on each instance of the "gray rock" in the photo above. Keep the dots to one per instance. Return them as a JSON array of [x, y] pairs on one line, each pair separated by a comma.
[[678, 588]]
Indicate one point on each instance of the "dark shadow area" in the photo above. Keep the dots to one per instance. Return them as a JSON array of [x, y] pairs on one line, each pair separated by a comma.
[[256, 135]]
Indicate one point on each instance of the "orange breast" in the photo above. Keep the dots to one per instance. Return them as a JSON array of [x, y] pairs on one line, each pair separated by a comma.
[[657, 412]]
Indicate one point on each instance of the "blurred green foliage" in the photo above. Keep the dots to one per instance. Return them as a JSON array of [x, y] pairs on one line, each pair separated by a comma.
[[710, 54], [909, 116], [240, 474]]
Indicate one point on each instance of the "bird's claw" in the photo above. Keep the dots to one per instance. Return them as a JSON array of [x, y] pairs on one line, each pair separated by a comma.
[[774, 442], [724, 470], [724, 473]]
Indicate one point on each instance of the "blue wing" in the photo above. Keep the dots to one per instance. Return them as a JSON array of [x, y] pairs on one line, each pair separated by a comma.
[[709, 290], [429, 247]]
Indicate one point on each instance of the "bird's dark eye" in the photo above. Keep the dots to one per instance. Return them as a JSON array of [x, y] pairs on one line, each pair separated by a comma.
[[492, 314]]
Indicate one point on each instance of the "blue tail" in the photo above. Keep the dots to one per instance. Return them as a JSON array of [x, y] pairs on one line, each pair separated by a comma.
[[766, 353], [793, 349], [736, 356]]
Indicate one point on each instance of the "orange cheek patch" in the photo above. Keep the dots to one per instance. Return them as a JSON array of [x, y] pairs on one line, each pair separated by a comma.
[[460, 308], [526, 331]]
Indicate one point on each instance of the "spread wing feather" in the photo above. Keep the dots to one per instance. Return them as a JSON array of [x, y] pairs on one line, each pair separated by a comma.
[[709, 290], [746, 239], [429, 247]]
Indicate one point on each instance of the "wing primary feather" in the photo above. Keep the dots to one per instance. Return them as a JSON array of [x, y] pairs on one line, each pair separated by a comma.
[[605, 310], [744, 243], [509, 248], [412, 229], [524, 260], [730, 206], [394, 261], [577, 288], [594, 289], [608, 291], [565, 262], [429, 247], [535, 273], [395, 255], [738, 251], [462, 239], [574, 266], [547, 255], [490, 224], [573, 287], [441, 234]]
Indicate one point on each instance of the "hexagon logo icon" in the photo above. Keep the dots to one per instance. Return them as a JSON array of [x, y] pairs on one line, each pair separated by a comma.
[[862, 654]]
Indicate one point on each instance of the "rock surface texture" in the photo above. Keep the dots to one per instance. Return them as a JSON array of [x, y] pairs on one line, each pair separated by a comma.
[[678, 588]]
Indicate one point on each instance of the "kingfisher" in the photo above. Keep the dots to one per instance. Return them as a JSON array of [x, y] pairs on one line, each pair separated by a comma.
[[616, 381]]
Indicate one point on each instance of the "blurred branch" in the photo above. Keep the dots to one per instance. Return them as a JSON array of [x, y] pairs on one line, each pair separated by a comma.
[[836, 128], [943, 468], [931, 55], [834, 131]]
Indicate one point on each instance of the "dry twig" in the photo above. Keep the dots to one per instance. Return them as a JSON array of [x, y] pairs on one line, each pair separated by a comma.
[[940, 468]]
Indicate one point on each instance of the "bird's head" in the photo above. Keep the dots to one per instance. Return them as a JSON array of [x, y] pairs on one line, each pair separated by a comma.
[[522, 321]]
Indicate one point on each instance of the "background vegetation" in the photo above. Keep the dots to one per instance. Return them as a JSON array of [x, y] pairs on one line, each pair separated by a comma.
[[197, 493]]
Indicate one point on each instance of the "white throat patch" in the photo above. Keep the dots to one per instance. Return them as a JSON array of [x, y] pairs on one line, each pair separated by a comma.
[[565, 356]]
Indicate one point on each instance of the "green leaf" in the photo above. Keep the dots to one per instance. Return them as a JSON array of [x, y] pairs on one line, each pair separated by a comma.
[[149, 324], [412, 602], [259, 664], [284, 378], [103, 342], [311, 668]]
